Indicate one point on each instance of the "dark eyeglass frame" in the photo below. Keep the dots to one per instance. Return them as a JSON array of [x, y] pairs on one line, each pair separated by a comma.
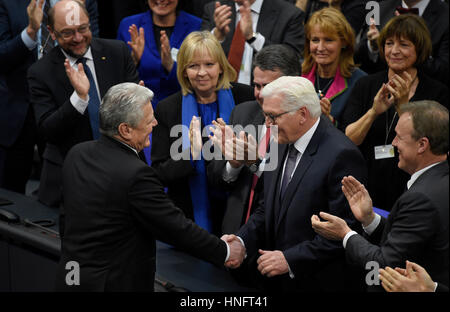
[[273, 118], [67, 34]]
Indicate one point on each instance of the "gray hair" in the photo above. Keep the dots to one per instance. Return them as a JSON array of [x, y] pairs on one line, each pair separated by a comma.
[[123, 103], [296, 92], [278, 57], [430, 120]]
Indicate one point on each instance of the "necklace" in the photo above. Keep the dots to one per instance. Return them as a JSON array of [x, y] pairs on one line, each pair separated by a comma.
[[319, 89]]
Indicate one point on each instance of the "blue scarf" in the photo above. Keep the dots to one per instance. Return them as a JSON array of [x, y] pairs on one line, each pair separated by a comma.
[[198, 184]]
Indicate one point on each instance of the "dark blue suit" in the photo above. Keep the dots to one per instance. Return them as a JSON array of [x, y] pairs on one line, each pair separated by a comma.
[[317, 263], [150, 68]]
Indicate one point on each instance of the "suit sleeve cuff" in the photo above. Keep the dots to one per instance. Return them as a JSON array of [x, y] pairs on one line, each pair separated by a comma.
[[228, 252], [79, 104], [258, 44], [29, 43], [346, 237], [373, 225]]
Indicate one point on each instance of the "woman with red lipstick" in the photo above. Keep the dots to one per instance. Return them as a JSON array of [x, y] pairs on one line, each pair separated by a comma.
[[328, 60], [207, 93], [370, 115]]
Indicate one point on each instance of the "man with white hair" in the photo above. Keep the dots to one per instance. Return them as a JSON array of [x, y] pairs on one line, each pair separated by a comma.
[[115, 206], [313, 157]]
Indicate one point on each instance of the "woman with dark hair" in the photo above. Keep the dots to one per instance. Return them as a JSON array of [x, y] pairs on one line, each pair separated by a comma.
[[207, 93], [370, 115], [328, 60], [154, 38]]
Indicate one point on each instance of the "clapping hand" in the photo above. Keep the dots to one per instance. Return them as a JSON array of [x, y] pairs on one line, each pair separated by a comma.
[[35, 14], [238, 150], [358, 199], [78, 79], [333, 228], [137, 43], [166, 56], [222, 20], [195, 138], [412, 279]]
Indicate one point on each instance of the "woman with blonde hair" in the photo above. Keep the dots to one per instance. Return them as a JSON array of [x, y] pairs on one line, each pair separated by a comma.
[[328, 60], [207, 93]]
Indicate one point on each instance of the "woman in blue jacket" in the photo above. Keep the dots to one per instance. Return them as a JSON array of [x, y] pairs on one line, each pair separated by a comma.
[[154, 38]]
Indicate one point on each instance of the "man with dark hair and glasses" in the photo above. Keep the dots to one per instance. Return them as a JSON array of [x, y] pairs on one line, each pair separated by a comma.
[[67, 85]]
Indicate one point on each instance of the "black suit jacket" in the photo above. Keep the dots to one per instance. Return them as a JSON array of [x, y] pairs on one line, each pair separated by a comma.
[[115, 207], [279, 22], [317, 263], [436, 16], [416, 229], [15, 59], [50, 91], [245, 114], [175, 173]]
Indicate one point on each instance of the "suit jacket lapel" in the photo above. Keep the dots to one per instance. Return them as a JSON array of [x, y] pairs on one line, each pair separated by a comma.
[[272, 178], [58, 59], [267, 19], [302, 167]]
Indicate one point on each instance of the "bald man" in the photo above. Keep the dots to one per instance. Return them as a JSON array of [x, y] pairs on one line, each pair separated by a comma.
[[67, 85]]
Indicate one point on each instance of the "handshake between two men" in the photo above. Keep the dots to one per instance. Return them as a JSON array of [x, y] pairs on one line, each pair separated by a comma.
[[241, 150]]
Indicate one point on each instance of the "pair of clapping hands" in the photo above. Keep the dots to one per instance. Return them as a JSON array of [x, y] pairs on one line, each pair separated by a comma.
[[397, 91], [238, 150]]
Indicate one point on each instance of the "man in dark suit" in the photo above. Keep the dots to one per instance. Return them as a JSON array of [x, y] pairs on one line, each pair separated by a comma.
[[20, 22], [417, 226], [115, 205], [66, 87], [236, 176], [436, 16], [313, 156], [262, 22]]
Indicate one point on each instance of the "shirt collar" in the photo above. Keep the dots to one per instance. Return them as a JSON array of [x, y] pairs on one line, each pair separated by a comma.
[[421, 5], [417, 174], [131, 148], [72, 60], [256, 6], [302, 143]]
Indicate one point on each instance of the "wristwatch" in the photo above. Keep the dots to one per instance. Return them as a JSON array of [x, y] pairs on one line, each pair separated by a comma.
[[255, 166], [252, 39]]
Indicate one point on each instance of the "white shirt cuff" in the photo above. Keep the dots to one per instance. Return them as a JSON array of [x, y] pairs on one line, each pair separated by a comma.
[[346, 237], [79, 104], [373, 225], [228, 252], [220, 41], [258, 44], [435, 286], [231, 174], [29, 43]]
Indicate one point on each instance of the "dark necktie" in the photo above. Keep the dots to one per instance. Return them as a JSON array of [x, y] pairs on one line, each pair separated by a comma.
[[94, 102], [290, 165], [46, 40], [262, 149], [237, 49], [402, 10]]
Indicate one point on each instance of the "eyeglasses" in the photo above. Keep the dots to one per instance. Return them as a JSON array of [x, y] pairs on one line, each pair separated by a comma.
[[69, 33], [273, 118]]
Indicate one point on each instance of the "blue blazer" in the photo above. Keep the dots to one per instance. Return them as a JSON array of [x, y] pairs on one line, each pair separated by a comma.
[[150, 68]]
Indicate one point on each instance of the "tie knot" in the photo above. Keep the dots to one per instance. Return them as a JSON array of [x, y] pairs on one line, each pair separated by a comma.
[[292, 151], [82, 60]]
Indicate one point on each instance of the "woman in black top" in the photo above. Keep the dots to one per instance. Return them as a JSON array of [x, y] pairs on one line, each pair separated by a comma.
[[370, 116]]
